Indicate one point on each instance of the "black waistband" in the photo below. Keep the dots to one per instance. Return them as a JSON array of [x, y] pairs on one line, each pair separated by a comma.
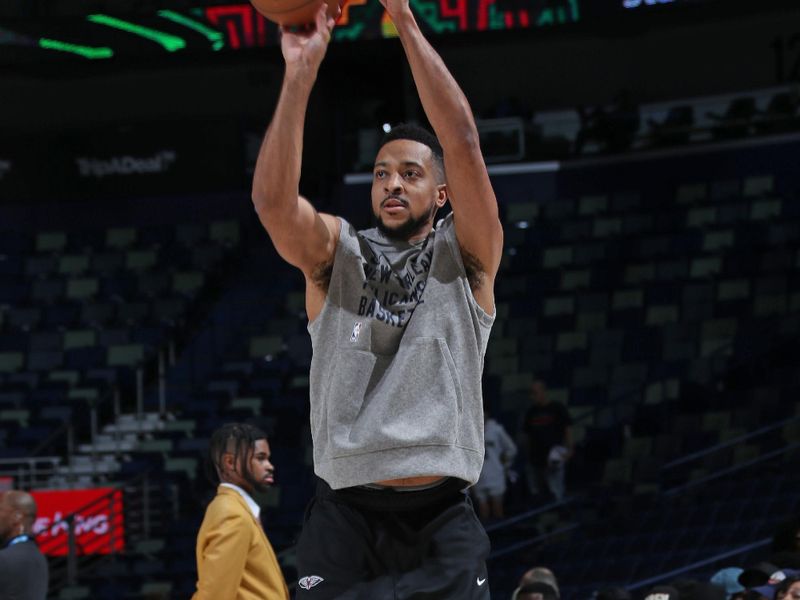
[[392, 499]]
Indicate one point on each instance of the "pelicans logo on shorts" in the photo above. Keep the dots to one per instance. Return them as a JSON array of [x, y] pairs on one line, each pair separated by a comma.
[[308, 582]]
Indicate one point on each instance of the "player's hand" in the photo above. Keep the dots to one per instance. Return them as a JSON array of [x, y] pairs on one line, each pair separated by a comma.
[[305, 48]]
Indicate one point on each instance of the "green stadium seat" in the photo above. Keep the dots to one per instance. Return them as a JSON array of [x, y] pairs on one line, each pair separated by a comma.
[[706, 267], [225, 233], [120, 237], [84, 288], [521, 211], [11, 362], [758, 185], [126, 355], [48, 242], [592, 205], [718, 240], [701, 217], [766, 209], [696, 192], [187, 282], [139, 260], [262, 346], [73, 264], [575, 279], [555, 258], [607, 227], [79, 338], [626, 299], [573, 340], [733, 289]]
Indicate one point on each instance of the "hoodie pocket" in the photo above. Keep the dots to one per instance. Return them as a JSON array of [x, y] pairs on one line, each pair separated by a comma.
[[411, 398]]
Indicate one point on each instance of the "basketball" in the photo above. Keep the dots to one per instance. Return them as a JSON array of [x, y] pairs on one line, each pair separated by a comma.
[[289, 13]]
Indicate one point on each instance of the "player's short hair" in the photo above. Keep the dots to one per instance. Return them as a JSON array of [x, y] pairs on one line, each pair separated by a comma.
[[417, 133]]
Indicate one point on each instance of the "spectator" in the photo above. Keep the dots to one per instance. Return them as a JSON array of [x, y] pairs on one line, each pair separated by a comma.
[[548, 437], [728, 580], [538, 582], [23, 568], [789, 588], [663, 592], [490, 488], [757, 575], [780, 581], [534, 591]]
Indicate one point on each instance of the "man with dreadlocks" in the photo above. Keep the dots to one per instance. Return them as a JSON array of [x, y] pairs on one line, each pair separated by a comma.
[[234, 558]]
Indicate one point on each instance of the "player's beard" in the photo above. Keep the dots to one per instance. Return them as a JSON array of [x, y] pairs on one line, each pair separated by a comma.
[[408, 228]]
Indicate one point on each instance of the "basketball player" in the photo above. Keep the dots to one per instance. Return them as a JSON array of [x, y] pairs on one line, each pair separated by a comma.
[[399, 317]]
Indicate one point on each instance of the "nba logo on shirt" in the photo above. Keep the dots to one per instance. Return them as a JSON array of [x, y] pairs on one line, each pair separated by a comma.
[[356, 331]]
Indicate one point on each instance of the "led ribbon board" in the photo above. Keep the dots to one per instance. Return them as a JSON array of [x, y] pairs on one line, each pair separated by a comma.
[[238, 26]]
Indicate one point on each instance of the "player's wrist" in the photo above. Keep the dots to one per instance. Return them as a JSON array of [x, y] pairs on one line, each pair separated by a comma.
[[403, 18], [300, 76]]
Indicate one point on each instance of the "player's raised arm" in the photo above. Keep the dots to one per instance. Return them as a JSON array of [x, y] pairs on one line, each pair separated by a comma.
[[302, 236], [477, 222]]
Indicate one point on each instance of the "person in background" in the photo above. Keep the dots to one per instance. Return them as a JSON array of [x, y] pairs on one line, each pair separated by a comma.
[[490, 489], [538, 583], [234, 557], [728, 580], [757, 574], [663, 592], [534, 591], [779, 585], [547, 431], [789, 588], [23, 568]]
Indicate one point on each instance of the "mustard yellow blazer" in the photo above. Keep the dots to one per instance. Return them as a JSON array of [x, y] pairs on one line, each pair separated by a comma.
[[235, 561]]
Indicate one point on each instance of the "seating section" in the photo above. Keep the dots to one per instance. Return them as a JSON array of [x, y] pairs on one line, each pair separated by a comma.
[[672, 532], [623, 125], [614, 293], [667, 328], [81, 310]]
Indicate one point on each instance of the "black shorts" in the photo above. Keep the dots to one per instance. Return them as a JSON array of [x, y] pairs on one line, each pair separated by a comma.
[[364, 544]]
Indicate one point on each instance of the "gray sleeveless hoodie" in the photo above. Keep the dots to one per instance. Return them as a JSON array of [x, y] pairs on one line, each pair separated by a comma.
[[397, 362]]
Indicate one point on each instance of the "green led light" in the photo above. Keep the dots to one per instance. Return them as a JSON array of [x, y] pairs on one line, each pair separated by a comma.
[[215, 37], [171, 43], [84, 51], [430, 13]]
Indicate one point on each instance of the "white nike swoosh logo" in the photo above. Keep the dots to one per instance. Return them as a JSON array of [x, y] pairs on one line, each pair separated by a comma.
[[481, 581]]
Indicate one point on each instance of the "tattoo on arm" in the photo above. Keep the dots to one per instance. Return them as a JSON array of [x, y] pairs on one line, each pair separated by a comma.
[[476, 274]]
